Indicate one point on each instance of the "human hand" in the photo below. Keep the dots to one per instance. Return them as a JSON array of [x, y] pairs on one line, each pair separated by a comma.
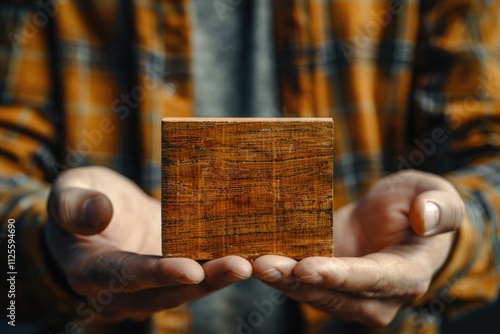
[[101, 225], [388, 247]]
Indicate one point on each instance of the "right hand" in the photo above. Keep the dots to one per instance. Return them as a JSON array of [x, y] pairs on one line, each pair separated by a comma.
[[393, 245], [101, 225]]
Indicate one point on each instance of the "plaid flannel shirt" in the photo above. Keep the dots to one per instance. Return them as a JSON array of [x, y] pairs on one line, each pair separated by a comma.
[[76, 89]]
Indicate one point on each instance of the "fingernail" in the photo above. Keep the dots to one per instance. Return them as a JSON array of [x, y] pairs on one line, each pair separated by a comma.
[[270, 275], [93, 208], [313, 279], [229, 276], [431, 216]]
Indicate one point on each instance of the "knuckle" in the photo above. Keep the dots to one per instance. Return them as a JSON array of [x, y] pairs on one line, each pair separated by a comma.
[[102, 268]]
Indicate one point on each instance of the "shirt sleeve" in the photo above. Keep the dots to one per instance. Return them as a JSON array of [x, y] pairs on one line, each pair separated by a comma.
[[27, 139], [457, 91]]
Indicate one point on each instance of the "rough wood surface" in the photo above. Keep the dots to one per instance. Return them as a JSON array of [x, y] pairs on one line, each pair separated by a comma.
[[247, 187]]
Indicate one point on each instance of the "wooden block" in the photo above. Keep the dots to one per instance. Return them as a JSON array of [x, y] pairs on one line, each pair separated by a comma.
[[247, 187]]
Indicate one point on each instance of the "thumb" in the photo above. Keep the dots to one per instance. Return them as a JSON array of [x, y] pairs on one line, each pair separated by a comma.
[[437, 211], [79, 210]]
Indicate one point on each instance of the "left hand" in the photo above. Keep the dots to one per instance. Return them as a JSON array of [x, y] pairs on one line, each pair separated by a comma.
[[388, 247], [104, 233]]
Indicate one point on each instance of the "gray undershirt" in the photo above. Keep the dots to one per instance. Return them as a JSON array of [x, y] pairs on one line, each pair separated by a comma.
[[234, 68], [235, 76]]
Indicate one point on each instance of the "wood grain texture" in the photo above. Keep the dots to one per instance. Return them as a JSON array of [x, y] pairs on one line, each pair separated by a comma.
[[247, 187]]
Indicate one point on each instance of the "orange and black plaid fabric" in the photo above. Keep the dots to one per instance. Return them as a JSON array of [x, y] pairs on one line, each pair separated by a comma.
[[81, 82]]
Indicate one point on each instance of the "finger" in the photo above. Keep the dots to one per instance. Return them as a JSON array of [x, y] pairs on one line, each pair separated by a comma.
[[79, 210], [346, 306], [221, 272], [372, 312], [275, 269], [379, 275], [90, 266], [435, 212], [135, 272], [218, 274]]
